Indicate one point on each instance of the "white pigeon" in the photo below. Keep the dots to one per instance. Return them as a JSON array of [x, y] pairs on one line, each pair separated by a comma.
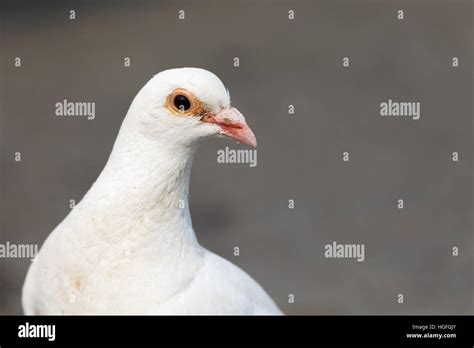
[[129, 246]]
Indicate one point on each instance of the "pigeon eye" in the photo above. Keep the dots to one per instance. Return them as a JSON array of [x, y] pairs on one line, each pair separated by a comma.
[[182, 103]]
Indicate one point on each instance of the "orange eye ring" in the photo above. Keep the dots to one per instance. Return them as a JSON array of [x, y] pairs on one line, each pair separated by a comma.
[[183, 103]]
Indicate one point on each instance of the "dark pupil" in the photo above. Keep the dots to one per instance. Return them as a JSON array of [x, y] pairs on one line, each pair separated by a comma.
[[182, 103]]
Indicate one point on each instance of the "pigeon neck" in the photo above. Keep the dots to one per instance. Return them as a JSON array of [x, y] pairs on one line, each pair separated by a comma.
[[145, 184]]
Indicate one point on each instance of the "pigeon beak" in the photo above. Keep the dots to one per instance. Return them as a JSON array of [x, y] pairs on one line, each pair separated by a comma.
[[234, 126]]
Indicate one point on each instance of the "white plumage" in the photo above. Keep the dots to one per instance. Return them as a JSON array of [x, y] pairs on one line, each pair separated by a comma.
[[129, 247]]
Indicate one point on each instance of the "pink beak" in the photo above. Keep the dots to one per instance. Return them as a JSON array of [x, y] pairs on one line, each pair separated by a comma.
[[234, 126]]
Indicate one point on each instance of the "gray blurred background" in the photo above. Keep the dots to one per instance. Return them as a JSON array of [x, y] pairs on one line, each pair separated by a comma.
[[282, 62]]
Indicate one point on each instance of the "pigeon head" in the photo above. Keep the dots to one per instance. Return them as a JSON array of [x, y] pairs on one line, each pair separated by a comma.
[[187, 105]]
